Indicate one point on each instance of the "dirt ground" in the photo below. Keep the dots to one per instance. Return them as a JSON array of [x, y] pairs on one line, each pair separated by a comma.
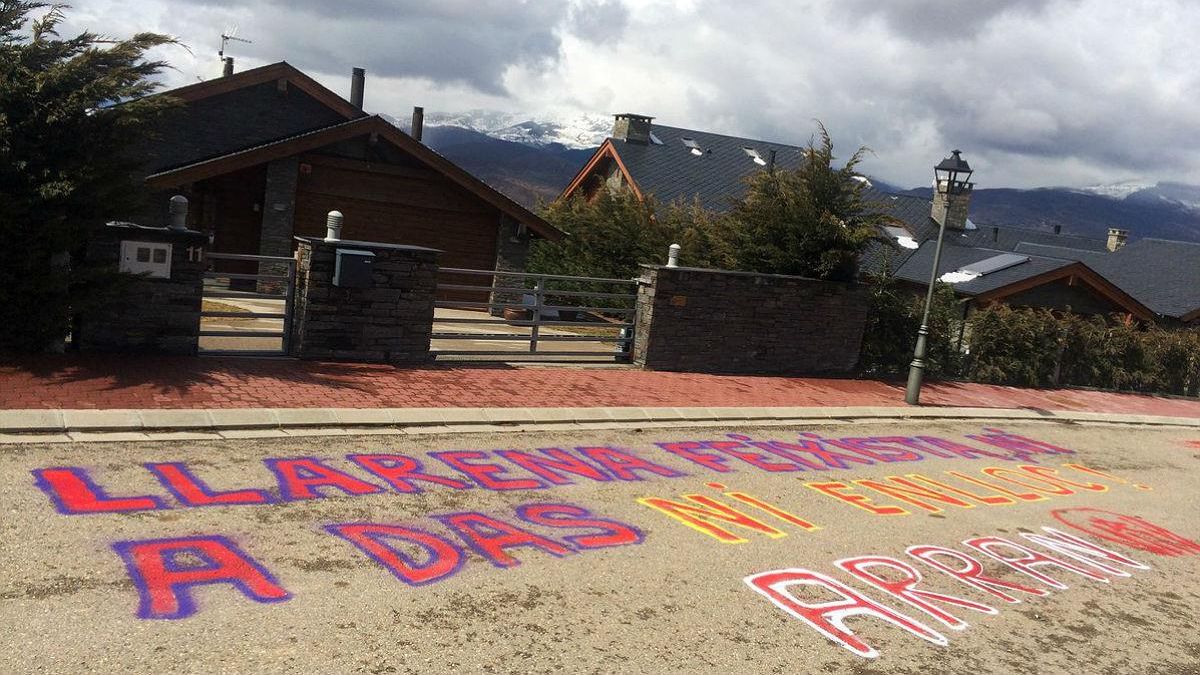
[[591, 597]]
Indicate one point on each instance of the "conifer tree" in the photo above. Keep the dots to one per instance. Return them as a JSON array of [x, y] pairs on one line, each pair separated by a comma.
[[71, 110]]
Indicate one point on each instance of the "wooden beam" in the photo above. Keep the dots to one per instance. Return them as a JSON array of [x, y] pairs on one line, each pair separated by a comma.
[[605, 151]]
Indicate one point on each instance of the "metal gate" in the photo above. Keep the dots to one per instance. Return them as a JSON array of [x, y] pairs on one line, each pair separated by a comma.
[[489, 315], [247, 313]]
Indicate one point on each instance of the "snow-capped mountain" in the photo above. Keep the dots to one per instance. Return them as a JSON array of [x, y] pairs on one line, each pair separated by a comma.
[[574, 131], [1180, 195], [1119, 190]]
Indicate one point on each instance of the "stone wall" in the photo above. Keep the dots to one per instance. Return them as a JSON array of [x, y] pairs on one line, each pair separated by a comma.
[[736, 322], [145, 314], [512, 253], [390, 322]]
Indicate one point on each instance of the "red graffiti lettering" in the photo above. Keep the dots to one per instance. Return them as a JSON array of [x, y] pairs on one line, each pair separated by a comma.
[[905, 588], [1132, 531], [1026, 559], [970, 573], [829, 617]]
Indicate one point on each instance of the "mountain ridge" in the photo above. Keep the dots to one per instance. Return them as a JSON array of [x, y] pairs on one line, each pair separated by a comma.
[[525, 157]]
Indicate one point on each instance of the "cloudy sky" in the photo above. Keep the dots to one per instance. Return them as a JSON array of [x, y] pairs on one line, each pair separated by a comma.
[[1035, 92]]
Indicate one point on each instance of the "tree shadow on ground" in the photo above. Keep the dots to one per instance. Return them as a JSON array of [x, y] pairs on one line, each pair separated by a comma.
[[179, 374]]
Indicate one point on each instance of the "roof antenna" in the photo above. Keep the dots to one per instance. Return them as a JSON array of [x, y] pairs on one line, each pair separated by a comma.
[[227, 61]]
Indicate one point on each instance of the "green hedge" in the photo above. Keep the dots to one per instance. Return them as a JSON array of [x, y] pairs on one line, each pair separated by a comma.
[[1037, 348], [1027, 347]]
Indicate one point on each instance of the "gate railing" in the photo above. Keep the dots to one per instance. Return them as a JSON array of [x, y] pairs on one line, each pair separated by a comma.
[[277, 287], [538, 307]]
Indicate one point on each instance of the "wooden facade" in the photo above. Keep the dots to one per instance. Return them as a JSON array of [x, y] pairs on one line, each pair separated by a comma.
[[253, 193]]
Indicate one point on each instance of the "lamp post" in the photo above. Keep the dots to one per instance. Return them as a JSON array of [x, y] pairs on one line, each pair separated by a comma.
[[951, 178]]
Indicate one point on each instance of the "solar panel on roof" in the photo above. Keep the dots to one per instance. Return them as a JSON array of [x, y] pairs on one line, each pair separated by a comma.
[[995, 263]]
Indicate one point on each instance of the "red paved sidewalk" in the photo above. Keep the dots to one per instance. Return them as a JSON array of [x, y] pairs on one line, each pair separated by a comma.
[[164, 382]]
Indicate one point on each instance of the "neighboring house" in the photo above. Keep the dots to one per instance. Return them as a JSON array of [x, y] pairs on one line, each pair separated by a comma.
[[1149, 279], [1164, 275], [675, 164], [263, 155]]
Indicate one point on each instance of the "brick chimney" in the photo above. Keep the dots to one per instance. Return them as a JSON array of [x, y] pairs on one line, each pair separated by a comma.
[[952, 192], [1117, 238], [631, 128]]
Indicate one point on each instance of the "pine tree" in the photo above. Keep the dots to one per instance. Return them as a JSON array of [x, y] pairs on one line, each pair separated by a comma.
[[811, 221], [70, 112]]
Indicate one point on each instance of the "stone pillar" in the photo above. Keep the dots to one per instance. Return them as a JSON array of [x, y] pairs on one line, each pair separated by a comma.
[[389, 322], [278, 215], [512, 253], [148, 314], [739, 322]]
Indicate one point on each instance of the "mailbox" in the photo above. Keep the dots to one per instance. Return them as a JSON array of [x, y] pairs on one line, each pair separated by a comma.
[[352, 268]]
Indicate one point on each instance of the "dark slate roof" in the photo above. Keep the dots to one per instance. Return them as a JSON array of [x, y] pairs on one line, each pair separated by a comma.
[[916, 267], [1008, 238], [670, 171], [1094, 259], [1163, 275]]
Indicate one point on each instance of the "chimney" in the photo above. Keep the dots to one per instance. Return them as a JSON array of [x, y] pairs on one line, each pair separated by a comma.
[[995, 234], [358, 79], [1117, 238], [1058, 229], [227, 70], [418, 123], [631, 128], [952, 191], [771, 161]]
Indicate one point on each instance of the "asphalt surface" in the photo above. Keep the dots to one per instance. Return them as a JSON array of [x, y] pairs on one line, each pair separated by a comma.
[[633, 589]]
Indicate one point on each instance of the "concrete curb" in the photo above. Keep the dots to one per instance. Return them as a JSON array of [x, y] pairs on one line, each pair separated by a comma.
[[58, 426]]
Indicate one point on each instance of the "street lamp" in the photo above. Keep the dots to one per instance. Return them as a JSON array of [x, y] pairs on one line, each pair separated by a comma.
[[952, 178]]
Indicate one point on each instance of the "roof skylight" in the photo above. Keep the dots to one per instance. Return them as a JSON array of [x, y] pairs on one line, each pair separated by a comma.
[[984, 267], [655, 139], [691, 144], [753, 154]]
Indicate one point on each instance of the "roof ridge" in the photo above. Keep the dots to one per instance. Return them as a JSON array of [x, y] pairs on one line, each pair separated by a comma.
[[730, 136]]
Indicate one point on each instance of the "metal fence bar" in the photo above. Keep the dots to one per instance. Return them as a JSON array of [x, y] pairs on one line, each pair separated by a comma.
[[526, 323], [289, 304], [248, 256], [243, 315], [242, 275], [537, 314], [527, 275], [241, 333], [520, 356], [220, 291]]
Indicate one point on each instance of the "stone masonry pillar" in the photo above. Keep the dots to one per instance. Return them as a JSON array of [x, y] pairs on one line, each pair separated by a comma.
[[151, 313], [512, 253], [278, 215], [388, 321]]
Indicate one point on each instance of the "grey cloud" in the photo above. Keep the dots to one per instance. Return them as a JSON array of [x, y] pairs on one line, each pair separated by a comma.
[[940, 20], [468, 41], [599, 21]]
